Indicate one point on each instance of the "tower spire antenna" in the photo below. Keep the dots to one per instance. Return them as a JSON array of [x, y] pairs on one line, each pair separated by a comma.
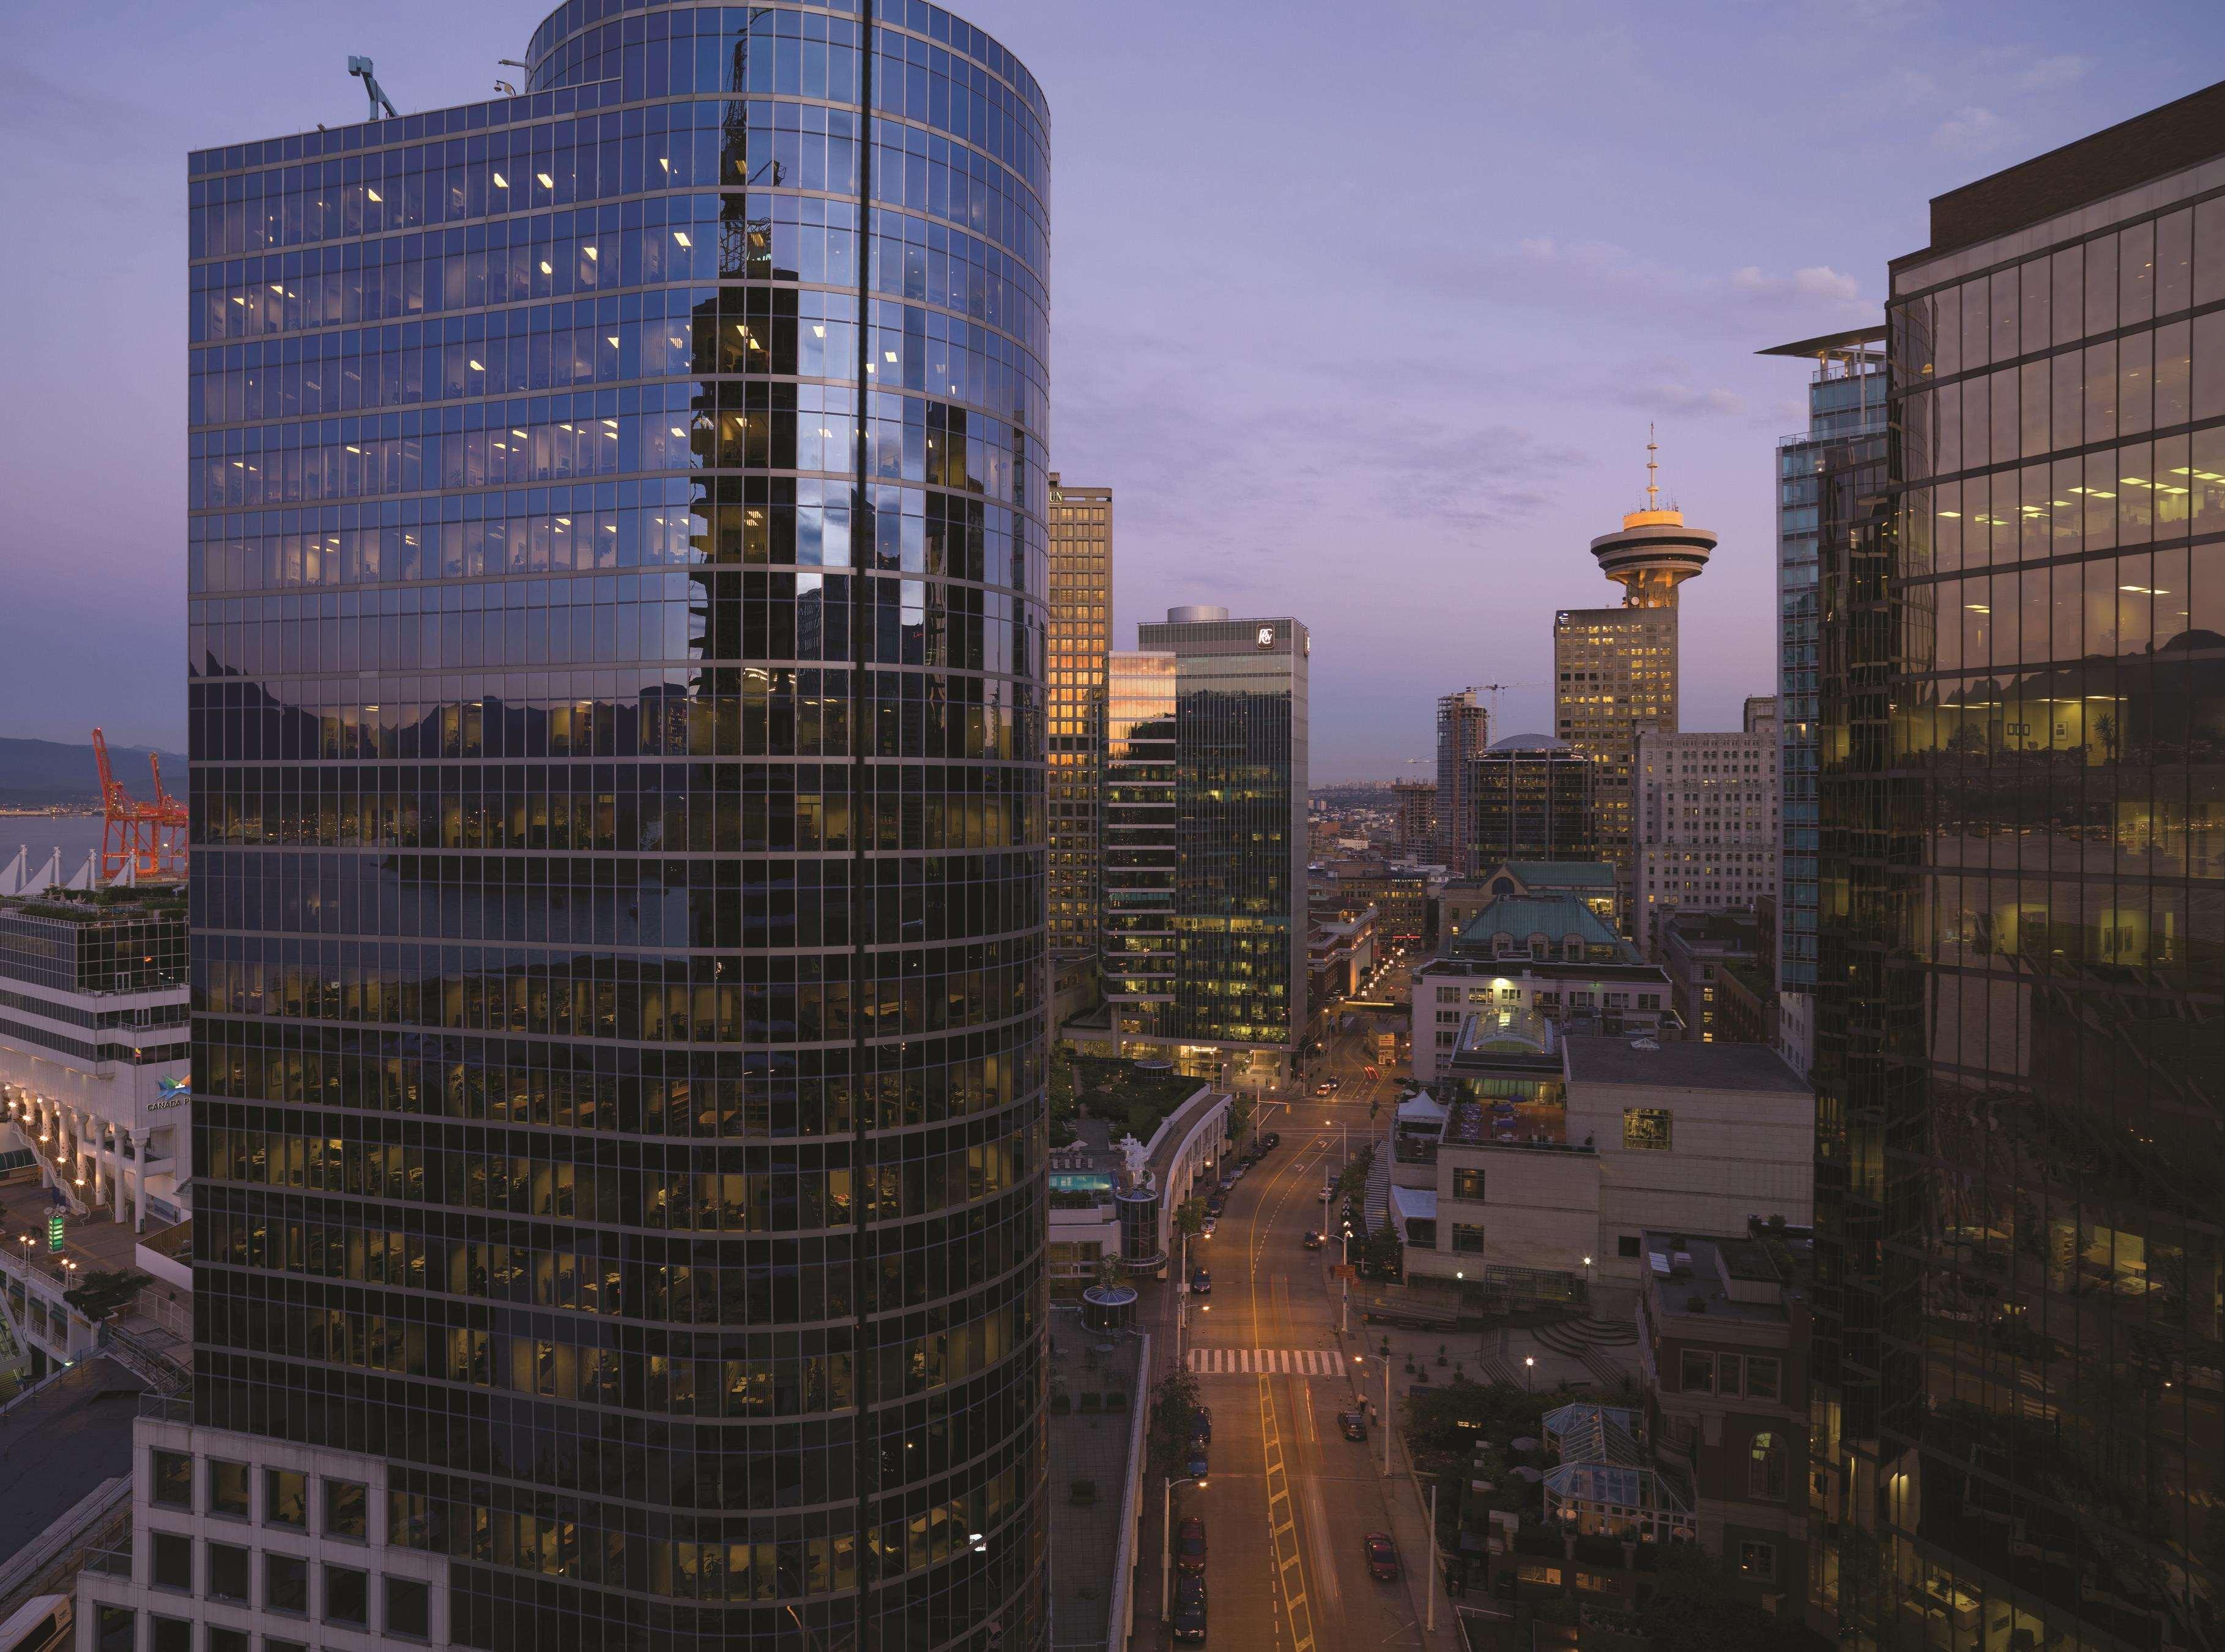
[[1653, 471]]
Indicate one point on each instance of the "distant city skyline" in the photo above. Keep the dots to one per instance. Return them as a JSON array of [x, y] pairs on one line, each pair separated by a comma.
[[1475, 416]]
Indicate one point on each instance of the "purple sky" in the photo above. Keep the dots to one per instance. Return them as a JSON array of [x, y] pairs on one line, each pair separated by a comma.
[[1361, 310]]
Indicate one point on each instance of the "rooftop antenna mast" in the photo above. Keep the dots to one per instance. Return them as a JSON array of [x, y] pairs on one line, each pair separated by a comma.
[[1653, 471], [360, 67]]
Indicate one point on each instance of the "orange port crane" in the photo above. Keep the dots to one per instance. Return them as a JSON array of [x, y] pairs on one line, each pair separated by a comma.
[[149, 838]]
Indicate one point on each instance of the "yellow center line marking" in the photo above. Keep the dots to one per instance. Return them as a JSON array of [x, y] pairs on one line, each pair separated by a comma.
[[1282, 1527]]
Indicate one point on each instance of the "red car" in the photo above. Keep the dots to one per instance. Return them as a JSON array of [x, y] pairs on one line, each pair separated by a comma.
[[1189, 1545], [1382, 1557]]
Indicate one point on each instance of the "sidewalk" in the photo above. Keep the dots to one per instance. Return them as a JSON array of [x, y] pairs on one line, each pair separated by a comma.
[[1406, 1498]]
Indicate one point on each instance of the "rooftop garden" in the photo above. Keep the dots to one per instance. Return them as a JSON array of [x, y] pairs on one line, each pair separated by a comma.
[[1131, 1100]]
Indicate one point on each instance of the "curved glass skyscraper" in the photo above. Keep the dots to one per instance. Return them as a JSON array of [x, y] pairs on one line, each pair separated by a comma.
[[618, 615]]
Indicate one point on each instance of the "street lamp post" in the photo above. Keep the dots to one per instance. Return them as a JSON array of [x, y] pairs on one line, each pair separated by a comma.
[[1529, 1362], [1434, 1566], [1166, 1540], [1384, 1421]]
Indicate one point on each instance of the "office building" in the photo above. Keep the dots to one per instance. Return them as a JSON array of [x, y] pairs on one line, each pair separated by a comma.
[[2022, 684], [1525, 960], [1414, 805], [1591, 882], [1463, 732], [95, 1056], [1846, 424], [1240, 910], [1531, 797], [1701, 951], [1707, 817], [1542, 1180], [1138, 960], [617, 626], [1340, 891], [1081, 636], [1616, 669]]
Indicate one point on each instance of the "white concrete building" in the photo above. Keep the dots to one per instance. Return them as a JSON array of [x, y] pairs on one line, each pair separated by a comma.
[[94, 1049], [234, 1533], [1706, 822], [1545, 1180]]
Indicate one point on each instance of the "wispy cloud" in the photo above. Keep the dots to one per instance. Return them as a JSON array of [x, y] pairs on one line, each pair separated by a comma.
[[2053, 73], [1972, 131]]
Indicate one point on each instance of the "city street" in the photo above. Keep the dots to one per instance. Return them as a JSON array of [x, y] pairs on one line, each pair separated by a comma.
[[1289, 1499]]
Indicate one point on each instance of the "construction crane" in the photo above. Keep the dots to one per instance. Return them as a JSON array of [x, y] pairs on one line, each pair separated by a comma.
[[147, 840], [360, 67], [1493, 691]]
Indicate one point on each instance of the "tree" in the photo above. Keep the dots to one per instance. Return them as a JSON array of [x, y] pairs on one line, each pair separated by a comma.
[[1696, 1608], [97, 1295], [1241, 1110], [1382, 1255], [1063, 1102], [1174, 1413], [1111, 1270], [1190, 1217]]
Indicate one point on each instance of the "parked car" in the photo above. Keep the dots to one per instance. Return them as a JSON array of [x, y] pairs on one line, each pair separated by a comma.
[[1353, 1424], [1189, 1607], [1327, 1188], [1200, 1426], [1211, 1222], [1189, 1545], [1201, 1283], [1313, 1241], [1271, 1141], [1382, 1557], [1214, 1204], [1199, 1462]]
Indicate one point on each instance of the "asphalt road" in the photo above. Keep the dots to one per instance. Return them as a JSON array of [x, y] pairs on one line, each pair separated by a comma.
[[1289, 1499]]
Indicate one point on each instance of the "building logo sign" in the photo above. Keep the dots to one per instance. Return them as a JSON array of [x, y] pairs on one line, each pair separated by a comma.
[[171, 1092], [1266, 636]]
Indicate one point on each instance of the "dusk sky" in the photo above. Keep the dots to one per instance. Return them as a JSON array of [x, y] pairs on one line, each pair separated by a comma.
[[1362, 311]]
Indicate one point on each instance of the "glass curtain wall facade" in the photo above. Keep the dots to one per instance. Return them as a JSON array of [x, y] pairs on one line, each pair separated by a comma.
[[1081, 634], [1241, 919], [1140, 855], [1845, 424], [2018, 1057], [617, 576], [1531, 798]]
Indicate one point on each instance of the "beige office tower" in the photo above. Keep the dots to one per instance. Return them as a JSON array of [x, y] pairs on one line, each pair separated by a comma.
[[1081, 634], [1616, 669], [1706, 822]]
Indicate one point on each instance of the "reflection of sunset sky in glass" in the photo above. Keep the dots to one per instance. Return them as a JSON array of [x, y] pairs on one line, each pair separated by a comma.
[[1362, 311]]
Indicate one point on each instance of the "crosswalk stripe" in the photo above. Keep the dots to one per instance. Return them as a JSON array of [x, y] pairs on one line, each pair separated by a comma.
[[1266, 1362]]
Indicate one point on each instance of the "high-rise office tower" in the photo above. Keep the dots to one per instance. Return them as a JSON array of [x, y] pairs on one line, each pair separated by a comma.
[[2018, 1063], [1706, 822], [1463, 732], [1081, 634], [1616, 669], [1531, 797], [618, 604], [1240, 919], [1137, 962], [1846, 425]]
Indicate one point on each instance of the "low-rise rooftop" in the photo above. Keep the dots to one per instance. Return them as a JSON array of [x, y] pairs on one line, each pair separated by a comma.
[[1090, 1551], [59, 1442], [1678, 1064], [1754, 1278]]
